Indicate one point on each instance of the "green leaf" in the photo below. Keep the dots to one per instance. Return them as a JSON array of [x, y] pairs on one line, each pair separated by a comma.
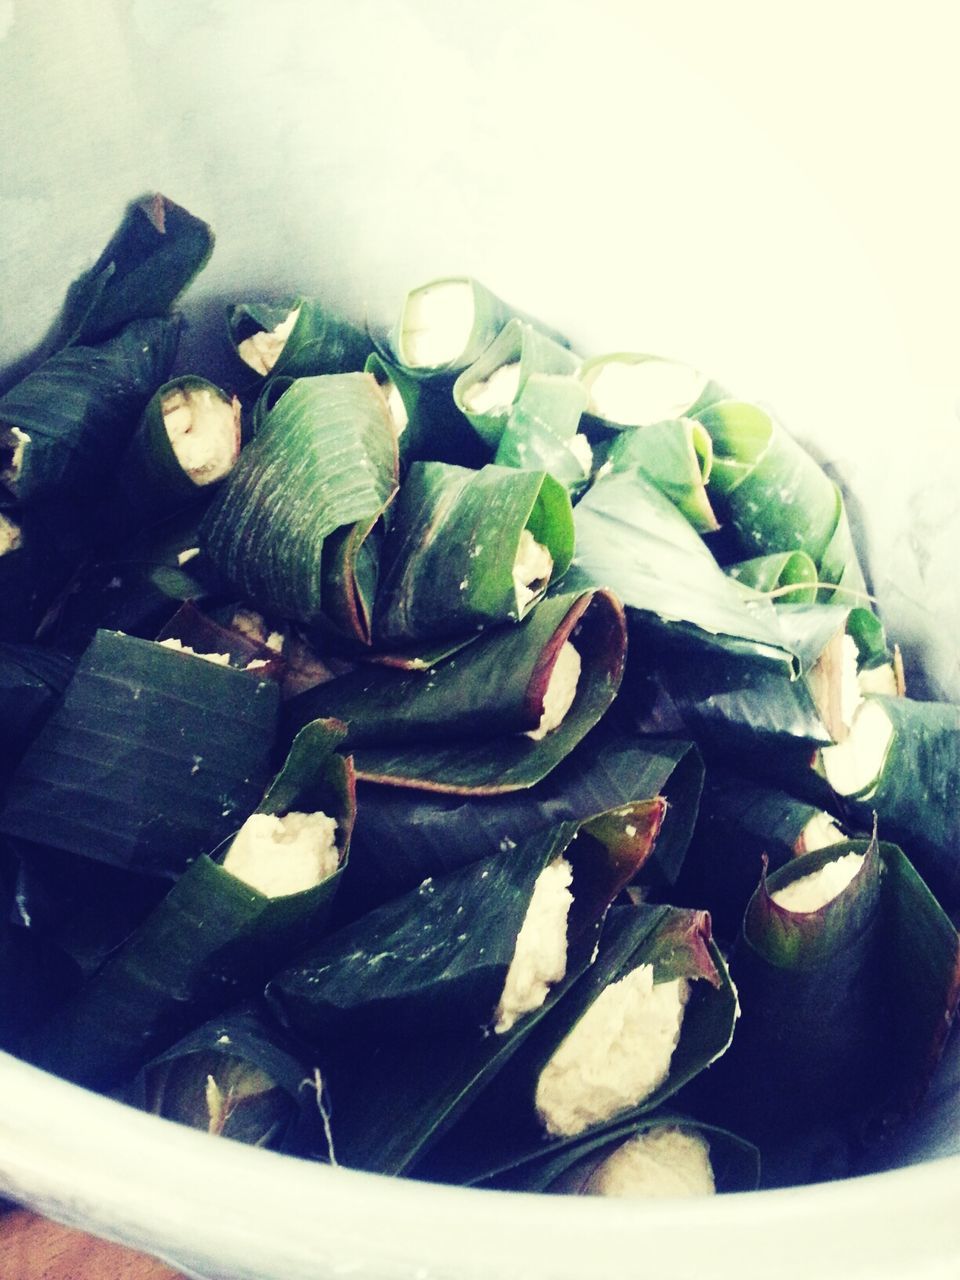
[[677, 455]]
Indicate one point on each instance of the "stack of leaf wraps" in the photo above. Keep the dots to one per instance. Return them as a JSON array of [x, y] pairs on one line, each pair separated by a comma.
[[447, 753]]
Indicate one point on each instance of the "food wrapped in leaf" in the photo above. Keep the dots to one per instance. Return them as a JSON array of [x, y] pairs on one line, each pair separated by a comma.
[[228, 922], [487, 390], [540, 433], [194, 632], [446, 324], [296, 338], [152, 257], [187, 440], [404, 835], [653, 1156], [901, 762], [778, 498], [629, 390], [468, 549], [152, 757], [848, 978], [325, 458], [654, 1009], [425, 417], [677, 456], [63, 426], [787, 575], [239, 1077]]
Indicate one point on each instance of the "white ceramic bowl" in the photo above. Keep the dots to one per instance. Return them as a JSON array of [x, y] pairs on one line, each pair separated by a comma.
[[764, 192]]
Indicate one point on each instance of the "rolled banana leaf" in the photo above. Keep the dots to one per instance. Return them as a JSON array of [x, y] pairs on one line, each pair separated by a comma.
[[32, 678], [155, 253], [325, 458], [486, 391], [568, 1167], [540, 432], [213, 940], [238, 1077], [901, 762], [195, 630], [677, 456], [628, 389], [788, 575], [594, 625], [634, 540], [429, 424], [503, 1127], [187, 440], [296, 338], [403, 836], [63, 426], [350, 568], [452, 554], [446, 324], [778, 498], [151, 757]]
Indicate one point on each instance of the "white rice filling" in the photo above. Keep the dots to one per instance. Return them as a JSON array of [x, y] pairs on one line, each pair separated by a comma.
[[560, 692], [540, 957], [579, 446], [851, 695], [639, 393], [395, 406], [204, 432], [666, 1161], [262, 350], [819, 832], [882, 679], [615, 1056], [531, 570], [852, 767], [279, 856], [437, 324], [219, 659], [11, 535], [496, 393], [811, 892], [16, 441]]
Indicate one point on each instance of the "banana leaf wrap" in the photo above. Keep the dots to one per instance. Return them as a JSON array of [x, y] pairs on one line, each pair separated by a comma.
[[32, 678], [668, 390], [516, 343], [155, 253], [448, 557], [593, 622], [631, 538], [63, 425], [788, 575], [350, 570], [565, 1166], [738, 823], [540, 432], [501, 1127], [490, 315], [152, 480], [778, 498], [325, 458], [150, 758], [262, 1090], [677, 456], [435, 429], [437, 957], [204, 634], [211, 941], [914, 792], [403, 835], [320, 341]]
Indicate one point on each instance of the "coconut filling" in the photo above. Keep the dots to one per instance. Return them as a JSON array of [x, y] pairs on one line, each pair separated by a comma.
[[813, 891], [615, 1056], [11, 536], [218, 659], [560, 692], [13, 442], [203, 431], [852, 767], [437, 324], [496, 393], [540, 957], [639, 393], [819, 832], [279, 856], [263, 349], [666, 1161], [531, 570]]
